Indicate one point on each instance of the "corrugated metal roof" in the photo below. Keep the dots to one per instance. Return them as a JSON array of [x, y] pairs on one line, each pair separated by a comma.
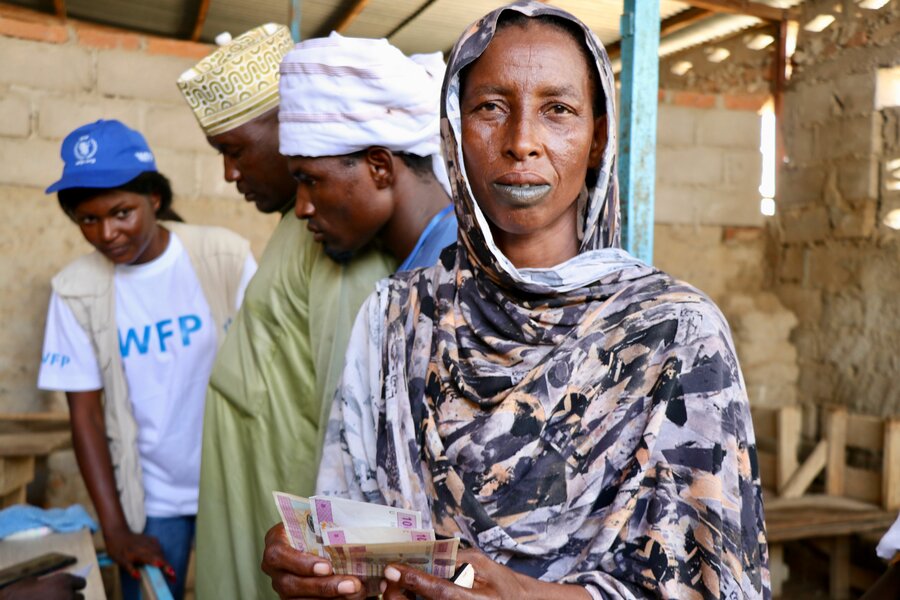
[[413, 25]]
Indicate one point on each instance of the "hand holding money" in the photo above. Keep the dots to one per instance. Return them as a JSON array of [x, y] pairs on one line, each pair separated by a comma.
[[297, 574], [362, 539]]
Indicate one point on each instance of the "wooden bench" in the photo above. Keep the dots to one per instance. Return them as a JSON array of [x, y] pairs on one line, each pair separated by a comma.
[[24, 438], [856, 500]]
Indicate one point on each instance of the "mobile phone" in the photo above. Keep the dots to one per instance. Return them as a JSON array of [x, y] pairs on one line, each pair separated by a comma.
[[35, 567]]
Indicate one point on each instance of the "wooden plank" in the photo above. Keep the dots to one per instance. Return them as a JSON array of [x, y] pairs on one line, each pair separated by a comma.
[[744, 7], [863, 484], [819, 502], [789, 525], [890, 471], [25, 422], [836, 435], [200, 21], [790, 426], [808, 471], [865, 431], [839, 569], [15, 473], [33, 444]]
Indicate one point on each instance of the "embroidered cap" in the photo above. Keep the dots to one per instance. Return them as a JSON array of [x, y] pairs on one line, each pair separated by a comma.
[[239, 81], [104, 154]]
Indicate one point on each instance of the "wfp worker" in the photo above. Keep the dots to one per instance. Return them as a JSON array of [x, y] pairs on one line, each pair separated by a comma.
[[359, 124], [132, 332], [273, 380], [575, 416]]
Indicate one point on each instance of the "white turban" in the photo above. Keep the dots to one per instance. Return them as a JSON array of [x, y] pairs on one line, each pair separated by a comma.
[[340, 95]]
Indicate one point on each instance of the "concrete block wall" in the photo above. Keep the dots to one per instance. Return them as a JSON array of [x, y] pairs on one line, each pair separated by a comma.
[[708, 164], [837, 265], [709, 230], [54, 77]]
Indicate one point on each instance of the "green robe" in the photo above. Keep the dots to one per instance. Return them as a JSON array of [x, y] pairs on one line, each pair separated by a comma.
[[270, 390]]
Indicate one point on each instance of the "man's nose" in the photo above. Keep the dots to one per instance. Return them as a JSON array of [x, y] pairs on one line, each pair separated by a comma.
[[303, 207], [232, 173]]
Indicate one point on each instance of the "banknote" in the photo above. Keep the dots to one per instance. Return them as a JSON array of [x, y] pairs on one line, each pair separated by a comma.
[[367, 561], [361, 539], [296, 514], [332, 536], [336, 512]]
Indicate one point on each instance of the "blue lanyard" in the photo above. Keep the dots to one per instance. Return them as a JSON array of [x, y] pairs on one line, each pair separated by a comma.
[[431, 225]]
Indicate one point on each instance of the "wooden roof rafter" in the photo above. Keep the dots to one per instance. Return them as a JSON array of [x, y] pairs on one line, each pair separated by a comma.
[[668, 26], [350, 15], [59, 8], [745, 7], [202, 11]]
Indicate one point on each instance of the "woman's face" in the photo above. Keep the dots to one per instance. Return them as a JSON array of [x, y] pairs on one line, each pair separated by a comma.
[[529, 132], [120, 225]]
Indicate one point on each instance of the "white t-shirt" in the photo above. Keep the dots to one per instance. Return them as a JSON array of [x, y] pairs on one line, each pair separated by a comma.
[[168, 345]]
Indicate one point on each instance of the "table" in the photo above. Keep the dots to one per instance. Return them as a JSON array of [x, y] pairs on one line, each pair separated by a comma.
[[79, 544]]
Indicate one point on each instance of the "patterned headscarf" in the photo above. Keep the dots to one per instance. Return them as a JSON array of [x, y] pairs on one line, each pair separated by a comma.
[[585, 424]]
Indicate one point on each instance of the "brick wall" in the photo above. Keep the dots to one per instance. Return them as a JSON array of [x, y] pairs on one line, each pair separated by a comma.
[[837, 266], [54, 77]]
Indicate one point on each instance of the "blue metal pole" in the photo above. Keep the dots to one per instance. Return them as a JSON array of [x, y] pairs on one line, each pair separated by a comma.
[[637, 124], [295, 20]]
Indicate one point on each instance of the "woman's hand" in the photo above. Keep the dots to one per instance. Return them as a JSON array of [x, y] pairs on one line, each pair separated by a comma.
[[131, 550], [298, 574], [492, 581]]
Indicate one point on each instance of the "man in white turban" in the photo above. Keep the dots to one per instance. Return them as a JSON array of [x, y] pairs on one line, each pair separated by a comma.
[[274, 376], [359, 123]]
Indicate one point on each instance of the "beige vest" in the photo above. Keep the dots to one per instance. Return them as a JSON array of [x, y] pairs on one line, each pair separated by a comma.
[[87, 287]]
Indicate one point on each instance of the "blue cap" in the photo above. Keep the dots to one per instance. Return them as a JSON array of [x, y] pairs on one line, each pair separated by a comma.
[[105, 154]]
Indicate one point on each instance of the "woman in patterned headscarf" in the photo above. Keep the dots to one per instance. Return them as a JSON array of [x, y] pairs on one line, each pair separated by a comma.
[[573, 414]]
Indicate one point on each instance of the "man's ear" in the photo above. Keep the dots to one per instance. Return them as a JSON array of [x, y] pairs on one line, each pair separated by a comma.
[[380, 163], [598, 142]]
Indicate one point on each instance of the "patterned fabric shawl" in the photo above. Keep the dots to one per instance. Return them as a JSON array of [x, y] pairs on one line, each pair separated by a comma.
[[585, 424]]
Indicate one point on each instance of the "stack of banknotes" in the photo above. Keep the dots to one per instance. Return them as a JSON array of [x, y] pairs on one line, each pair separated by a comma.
[[361, 539]]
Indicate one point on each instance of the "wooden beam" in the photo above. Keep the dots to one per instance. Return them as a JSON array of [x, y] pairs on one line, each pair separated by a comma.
[[890, 476], [744, 7], [789, 429], [202, 11], [59, 7], [674, 23], [808, 471], [350, 15], [836, 435]]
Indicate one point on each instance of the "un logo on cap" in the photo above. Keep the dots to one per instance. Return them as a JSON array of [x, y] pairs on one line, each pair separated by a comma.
[[85, 149]]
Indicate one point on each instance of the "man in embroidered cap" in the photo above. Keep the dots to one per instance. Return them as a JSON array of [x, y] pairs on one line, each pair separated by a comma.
[[359, 124], [275, 374]]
